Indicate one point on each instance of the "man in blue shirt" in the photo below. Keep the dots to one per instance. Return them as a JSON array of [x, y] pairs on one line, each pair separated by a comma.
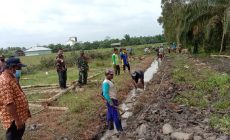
[[125, 60]]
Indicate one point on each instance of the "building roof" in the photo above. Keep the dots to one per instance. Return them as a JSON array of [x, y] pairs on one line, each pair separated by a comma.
[[33, 49], [116, 44], [73, 39]]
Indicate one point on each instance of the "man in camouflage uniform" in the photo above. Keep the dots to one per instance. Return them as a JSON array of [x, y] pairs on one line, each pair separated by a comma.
[[83, 68]]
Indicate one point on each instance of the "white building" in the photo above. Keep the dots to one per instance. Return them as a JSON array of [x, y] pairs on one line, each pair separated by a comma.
[[37, 51], [71, 41]]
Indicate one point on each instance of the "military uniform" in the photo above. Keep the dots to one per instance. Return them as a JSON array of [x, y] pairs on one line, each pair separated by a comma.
[[83, 69]]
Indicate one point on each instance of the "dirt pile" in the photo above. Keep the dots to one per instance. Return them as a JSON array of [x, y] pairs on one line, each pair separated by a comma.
[[157, 117]]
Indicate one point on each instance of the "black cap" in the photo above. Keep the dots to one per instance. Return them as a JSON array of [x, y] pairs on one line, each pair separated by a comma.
[[12, 61]]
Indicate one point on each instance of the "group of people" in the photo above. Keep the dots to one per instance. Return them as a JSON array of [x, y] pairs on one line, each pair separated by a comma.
[[14, 108], [160, 52], [121, 57], [109, 91]]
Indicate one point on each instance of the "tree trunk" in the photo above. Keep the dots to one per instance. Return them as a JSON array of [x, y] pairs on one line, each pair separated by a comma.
[[222, 43]]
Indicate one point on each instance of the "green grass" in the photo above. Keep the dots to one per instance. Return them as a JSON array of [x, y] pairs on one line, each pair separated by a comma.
[[210, 89], [221, 123], [84, 107], [35, 60], [40, 77], [95, 66], [78, 103]]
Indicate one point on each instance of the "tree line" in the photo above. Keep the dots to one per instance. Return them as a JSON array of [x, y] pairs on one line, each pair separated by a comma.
[[106, 43], [203, 24]]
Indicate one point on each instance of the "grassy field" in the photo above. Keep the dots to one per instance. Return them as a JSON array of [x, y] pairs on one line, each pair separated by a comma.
[[95, 66], [35, 60], [209, 89], [84, 107]]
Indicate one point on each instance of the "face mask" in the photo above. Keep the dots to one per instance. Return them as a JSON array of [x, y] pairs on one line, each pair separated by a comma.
[[18, 74]]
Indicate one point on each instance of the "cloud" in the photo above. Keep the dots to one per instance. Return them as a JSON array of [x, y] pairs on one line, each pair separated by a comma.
[[53, 21]]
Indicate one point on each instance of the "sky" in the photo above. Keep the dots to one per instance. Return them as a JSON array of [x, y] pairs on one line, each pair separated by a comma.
[[28, 23]]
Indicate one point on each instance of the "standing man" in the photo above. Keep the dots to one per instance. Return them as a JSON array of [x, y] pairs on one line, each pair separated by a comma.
[[14, 108], [161, 52], [115, 60], [83, 68], [110, 95], [2, 63], [125, 60], [61, 69]]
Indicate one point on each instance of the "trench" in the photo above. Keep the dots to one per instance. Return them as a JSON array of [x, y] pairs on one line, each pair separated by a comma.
[[131, 100]]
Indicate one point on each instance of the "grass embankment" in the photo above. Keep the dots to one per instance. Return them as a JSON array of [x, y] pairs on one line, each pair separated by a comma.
[[208, 89]]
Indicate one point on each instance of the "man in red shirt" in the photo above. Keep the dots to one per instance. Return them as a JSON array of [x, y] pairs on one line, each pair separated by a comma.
[[14, 108]]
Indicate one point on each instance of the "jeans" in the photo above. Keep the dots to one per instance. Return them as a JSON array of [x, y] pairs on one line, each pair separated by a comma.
[[113, 115], [13, 133], [62, 76]]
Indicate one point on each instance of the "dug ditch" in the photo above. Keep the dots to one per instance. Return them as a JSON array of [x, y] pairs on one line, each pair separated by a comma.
[[127, 105]]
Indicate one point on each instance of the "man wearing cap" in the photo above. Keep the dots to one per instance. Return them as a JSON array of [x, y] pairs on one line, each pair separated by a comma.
[[14, 108], [138, 78], [61, 69], [2, 63], [110, 95], [83, 68]]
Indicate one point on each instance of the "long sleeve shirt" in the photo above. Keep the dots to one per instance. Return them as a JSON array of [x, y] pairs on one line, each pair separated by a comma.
[[60, 63]]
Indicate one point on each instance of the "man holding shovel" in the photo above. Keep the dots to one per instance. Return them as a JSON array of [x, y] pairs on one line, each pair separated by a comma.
[[110, 95]]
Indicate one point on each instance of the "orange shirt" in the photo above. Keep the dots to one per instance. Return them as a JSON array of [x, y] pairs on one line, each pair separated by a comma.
[[11, 92]]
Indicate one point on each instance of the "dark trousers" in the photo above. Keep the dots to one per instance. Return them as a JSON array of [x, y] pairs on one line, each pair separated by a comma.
[[126, 65], [113, 115], [116, 69], [83, 75], [13, 133], [62, 76]]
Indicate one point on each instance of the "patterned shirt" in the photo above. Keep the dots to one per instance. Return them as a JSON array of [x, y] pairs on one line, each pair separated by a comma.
[[60, 63], [11, 92]]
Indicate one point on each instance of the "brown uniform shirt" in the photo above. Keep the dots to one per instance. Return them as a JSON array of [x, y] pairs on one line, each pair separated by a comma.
[[60, 63], [11, 92]]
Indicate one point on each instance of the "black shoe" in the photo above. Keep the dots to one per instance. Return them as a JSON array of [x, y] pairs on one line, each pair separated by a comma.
[[110, 125]]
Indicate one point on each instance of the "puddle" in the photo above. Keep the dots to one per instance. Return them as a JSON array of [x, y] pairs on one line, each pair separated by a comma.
[[130, 101]]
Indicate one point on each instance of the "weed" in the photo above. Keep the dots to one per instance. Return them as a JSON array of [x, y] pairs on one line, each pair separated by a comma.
[[221, 123]]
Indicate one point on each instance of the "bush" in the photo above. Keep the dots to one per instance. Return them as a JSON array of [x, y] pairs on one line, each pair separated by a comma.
[[47, 63]]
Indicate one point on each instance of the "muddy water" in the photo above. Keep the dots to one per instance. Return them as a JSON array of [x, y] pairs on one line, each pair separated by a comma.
[[130, 101]]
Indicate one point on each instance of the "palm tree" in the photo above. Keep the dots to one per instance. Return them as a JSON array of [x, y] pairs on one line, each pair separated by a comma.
[[186, 20]]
